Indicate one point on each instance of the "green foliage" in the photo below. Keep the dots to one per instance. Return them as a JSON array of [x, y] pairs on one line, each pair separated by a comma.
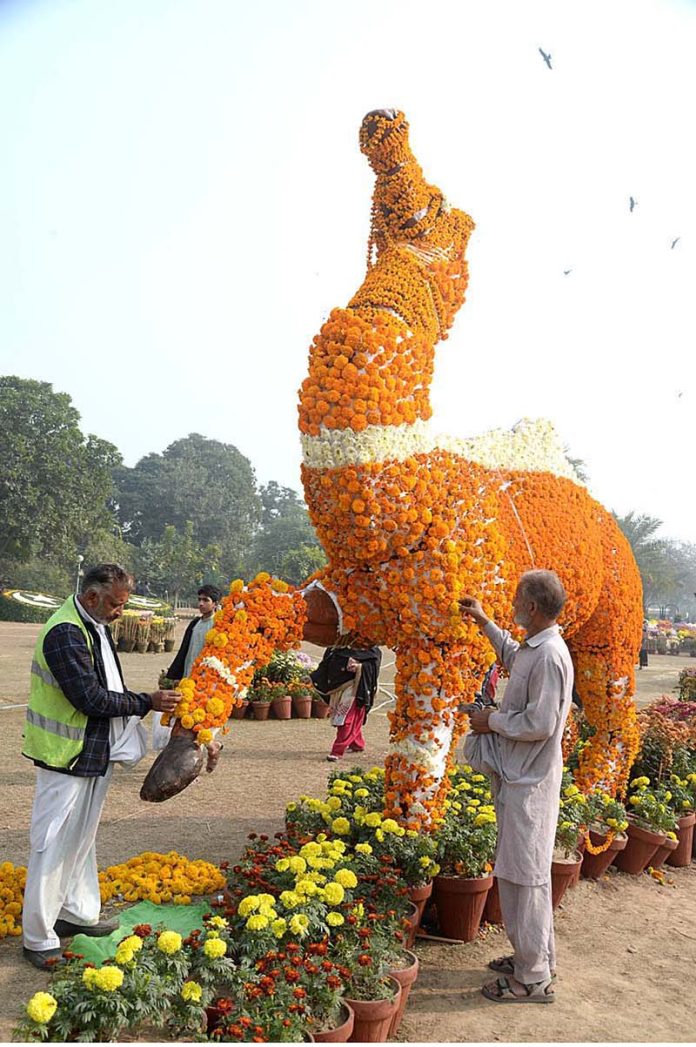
[[175, 563], [467, 837], [196, 480], [37, 576], [286, 544], [667, 568], [649, 806], [55, 482]]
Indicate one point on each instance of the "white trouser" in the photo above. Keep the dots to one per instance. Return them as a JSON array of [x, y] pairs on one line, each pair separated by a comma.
[[62, 881], [528, 919]]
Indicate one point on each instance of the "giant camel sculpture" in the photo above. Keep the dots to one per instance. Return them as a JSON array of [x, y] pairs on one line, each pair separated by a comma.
[[410, 521]]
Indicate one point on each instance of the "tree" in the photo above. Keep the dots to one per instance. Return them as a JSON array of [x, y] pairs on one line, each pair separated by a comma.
[[176, 564], [667, 568], [285, 532], [54, 482], [203, 481]]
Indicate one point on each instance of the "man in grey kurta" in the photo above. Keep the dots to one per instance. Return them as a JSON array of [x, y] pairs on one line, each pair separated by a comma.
[[522, 753]]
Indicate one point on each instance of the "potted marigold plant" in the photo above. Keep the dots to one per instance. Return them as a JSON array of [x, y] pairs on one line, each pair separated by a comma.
[[260, 695], [371, 992], [684, 804], [606, 833], [650, 820], [567, 856], [466, 843]]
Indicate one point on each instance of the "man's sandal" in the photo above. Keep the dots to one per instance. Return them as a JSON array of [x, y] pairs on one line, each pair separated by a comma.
[[506, 965], [500, 991]]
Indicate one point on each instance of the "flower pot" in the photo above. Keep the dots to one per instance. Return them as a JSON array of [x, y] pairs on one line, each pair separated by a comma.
[[282, 707], [126, 645], [663, 851], [373, 1017], [341, 1032], [419, 896], [580, 848], [639, 851], [261, 710], [239, 711], [685, 834], [169, 645], [405, 976], [413, 917], [141, 646], [302, 706], [492, 912], [320, 708], [460, 902], [595, 865], [564, 874]]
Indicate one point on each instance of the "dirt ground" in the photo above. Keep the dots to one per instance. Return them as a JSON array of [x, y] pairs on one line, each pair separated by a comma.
[[626, 946]]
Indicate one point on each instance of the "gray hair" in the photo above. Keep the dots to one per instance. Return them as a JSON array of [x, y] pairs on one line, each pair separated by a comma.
[[104, 575], [545, 589]]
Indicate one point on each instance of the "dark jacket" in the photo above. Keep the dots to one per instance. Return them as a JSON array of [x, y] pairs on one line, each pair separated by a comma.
[[176, 669], [332, 672], [83, 682]]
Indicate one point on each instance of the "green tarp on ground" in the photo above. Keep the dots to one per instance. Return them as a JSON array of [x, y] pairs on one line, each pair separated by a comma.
[[181, 918]]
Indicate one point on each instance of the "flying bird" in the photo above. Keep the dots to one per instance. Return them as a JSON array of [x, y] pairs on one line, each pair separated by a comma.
[[566, 271], [675, 242], [547, 58], [632, 203], [679, 395]]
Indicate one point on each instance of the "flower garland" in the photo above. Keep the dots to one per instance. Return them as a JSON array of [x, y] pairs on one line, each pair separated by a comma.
[[253, 621]]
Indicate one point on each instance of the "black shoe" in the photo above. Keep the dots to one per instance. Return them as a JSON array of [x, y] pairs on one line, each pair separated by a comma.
[[65, 929], [45, 959]]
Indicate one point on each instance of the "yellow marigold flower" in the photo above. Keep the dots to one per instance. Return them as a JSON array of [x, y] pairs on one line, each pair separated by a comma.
[[363, 848], [248, 905], [346, 878], [191, 991], [41, 1007], [279, 927], [262, 576], [334, 893], [341, 826], [297, 864], [291, 807], [379, 835], [218, 921], [88, 976], [306, 887], [310, 849], [282, 865], [187, 722], [257, 922], [124, 955], [571, 790], [109, 979], [373, 819], [290, 899], [214, 948], [478, 777], [169, 942], [237, 586], [299, 924], [133, 942], [205, 736], [360, 793], [334, 919], [334, 803]]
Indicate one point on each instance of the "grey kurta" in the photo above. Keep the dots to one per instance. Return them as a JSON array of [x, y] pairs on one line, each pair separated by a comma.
[[528, 732]]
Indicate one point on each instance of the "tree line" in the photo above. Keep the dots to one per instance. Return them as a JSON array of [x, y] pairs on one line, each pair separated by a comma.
[[192, 513]]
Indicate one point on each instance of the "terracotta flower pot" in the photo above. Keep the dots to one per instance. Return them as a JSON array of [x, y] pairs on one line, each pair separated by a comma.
[[239, 711], [169, 645], [639, 851], [261, 710], [460, 902], [302, 706], [282, 707], [685, 834], [663, 852], [564, 874], [405, 976], [374, 1017], [413, 917], [580, 848], [419, 896], [126, 645], [341, 1032], [320, 708], [492, 912], [595, 865]]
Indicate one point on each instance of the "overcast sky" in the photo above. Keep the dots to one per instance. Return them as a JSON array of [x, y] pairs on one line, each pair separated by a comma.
[[182, 200]]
